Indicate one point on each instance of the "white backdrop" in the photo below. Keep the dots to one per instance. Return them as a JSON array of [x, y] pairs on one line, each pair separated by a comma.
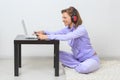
[[101, 18]]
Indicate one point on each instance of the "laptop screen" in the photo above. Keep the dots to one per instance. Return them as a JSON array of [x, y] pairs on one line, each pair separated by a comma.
[[24, 27]]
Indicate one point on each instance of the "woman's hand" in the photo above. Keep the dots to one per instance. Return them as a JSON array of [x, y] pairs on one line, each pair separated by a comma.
[[39, 32], [42, 36]]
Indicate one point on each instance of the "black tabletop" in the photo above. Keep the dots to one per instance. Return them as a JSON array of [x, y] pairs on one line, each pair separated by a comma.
[[22, 38]]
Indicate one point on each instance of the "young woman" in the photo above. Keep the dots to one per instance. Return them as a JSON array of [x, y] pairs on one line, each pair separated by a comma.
[[83, 58]]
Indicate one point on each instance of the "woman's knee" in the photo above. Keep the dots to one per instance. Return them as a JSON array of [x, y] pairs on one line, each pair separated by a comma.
[[82, 69], [87, 67], [64, 54]]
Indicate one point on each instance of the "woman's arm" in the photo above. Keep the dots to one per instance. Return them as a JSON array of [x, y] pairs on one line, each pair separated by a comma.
[[44, 34], [71, 35], [62, 31]]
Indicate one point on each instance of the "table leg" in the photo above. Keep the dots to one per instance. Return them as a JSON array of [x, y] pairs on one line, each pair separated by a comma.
[[16, 60], [56, 59], [54, 56], [19, 51]]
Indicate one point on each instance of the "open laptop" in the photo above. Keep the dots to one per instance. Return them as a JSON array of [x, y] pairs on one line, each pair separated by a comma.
[[26, 32]]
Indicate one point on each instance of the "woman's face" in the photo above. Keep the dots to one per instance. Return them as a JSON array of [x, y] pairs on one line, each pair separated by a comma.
[[66, 19]]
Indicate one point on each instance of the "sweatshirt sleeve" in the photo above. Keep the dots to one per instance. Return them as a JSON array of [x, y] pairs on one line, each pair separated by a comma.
[[62, 31], [80, 31]]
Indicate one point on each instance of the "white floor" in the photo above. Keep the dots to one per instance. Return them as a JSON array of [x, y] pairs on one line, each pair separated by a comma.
[[32, 69]]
